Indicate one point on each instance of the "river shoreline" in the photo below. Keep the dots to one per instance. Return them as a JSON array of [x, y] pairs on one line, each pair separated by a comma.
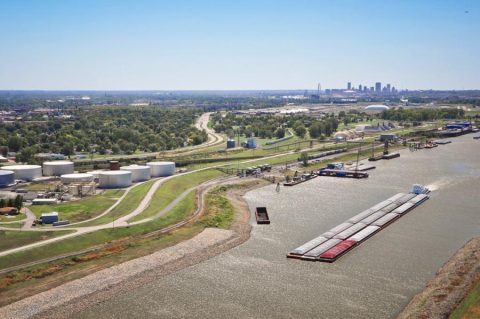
[[208, 244]]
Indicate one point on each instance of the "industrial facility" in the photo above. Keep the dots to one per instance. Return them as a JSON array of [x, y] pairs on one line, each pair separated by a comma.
[[140, 173], [161, 169], [115, 179], [7, 178], [25, 172], [57, 168]]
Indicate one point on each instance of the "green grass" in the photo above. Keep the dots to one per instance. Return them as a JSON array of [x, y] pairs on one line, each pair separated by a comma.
[[183, 209], [12, 218], [171, 189], [126, 206], [470, 306], [219, 212], [113, 193], [40, 186], [12, 239], [79, 210]]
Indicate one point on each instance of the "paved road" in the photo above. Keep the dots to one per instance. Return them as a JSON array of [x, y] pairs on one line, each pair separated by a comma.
[[30, 218]]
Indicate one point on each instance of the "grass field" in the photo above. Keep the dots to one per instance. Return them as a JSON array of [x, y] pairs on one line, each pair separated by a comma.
[[12, 218], [79, 210], [470, 306], [219, 212], [12, 239], [126, 206], [171, 189]]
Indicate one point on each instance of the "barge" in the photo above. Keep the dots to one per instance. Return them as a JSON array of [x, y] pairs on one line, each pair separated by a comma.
[[261, 215], [342, 173], [337, 241], [302, 178]]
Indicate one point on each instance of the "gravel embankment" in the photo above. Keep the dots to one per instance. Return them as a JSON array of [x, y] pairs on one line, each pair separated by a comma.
[[453, 281]]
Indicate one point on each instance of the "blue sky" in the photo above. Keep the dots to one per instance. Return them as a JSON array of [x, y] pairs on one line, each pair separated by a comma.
[[202, 45]]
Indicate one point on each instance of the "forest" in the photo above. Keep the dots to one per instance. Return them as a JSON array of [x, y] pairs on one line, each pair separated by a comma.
[[119, 130]]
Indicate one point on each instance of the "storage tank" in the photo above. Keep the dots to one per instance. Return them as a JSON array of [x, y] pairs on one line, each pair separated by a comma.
[[57, 168], [159, 169], [25, 172], [95, 174], [140, 173], [76, 178], [6, 178], [114, 165], [115, 179]]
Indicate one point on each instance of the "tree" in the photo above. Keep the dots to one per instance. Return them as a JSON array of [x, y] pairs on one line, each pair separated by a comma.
[[10, 202], [280, 132], [18, 203], [2, 203], [15, 143], [300, 130], [25, 155], [304, 158]]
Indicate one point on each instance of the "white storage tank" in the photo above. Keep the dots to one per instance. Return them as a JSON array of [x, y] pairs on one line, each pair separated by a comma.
[[159, 169], [6, 178], [25, 172], [95, 174], [76, 178], [57, 168], [115, 179], [139, 173]]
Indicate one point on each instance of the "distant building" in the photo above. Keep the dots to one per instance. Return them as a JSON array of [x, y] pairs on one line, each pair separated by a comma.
[[360, 87], [377, 107], [388, 88], [349, 86], [378, 87]]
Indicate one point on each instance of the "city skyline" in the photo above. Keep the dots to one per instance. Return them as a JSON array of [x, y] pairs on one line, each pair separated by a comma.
[[267, 45]]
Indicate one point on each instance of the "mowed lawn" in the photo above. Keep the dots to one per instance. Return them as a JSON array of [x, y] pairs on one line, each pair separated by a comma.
[[171, 189], [82, 209], [12, 239]]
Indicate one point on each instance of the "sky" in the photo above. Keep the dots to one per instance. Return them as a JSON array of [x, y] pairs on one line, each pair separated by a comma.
[[238, 45]]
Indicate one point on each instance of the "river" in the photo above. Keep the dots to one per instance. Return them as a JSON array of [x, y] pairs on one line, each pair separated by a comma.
[[375, 280]]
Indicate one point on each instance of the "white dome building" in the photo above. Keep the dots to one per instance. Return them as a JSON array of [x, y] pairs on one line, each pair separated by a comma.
[[76, 178], [160, 169], [25, 172], [57, 168], [377, 107], [115, 179], [139, 173]]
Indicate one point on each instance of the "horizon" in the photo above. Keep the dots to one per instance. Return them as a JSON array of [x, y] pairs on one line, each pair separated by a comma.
[[250, 46]]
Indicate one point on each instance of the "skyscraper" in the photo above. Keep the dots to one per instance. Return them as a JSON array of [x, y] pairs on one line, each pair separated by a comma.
[[388, 88], [378, 87], [349, 85]]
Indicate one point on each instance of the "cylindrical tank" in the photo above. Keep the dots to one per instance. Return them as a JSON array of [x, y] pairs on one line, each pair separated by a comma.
[[159, 169], [25, 172], [114, 165], [139, 173], [76, 178], [6, 178], [96, 174], [57, 168], [230, 143], [115, 179]]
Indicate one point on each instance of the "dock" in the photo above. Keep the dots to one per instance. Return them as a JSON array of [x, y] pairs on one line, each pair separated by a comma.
[[337, 241]]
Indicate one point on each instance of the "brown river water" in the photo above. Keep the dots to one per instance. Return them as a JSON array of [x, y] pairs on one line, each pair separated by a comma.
[[375, 280]]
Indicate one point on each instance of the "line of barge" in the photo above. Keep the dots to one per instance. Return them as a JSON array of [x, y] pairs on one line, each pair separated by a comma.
[[334, 243]]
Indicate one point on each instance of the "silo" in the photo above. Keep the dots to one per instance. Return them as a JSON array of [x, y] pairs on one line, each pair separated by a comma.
[[139, 173], [159, 169], [76, 178], [6, 178], [57, 168], [115, 179], [25, 172]]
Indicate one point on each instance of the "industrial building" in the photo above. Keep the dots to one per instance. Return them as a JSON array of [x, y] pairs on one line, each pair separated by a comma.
[[25, 172], [7, 178], [49, 218], [140, 173], [57, 168], [115, 179], [161, 169]]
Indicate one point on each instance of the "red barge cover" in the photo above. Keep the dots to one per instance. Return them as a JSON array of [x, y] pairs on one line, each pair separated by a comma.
[[339, 249]]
